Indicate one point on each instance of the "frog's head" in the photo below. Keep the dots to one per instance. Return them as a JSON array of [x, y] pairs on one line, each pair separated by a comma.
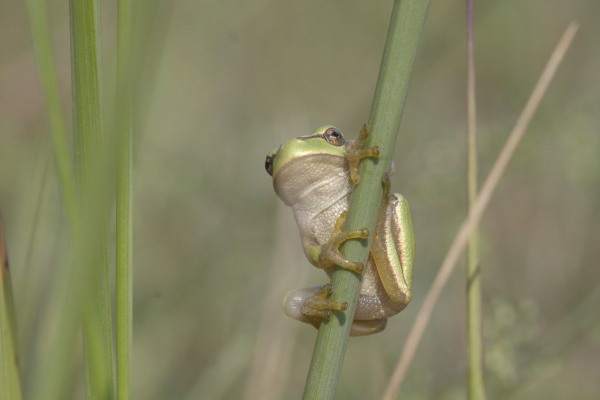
[[327, 140], [304, 160]]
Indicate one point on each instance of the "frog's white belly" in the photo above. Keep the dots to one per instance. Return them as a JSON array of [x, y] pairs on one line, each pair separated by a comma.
[[318, 208]]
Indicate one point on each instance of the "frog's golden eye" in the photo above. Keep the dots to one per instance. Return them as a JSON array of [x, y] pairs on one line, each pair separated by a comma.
[[334, 137], [269, 163]]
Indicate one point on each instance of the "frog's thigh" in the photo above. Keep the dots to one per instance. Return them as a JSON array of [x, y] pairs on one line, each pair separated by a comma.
[[393, 248], [363, 328]]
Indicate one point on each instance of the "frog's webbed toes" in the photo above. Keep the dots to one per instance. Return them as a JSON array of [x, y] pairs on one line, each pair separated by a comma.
[[311, 304], [319, 306]]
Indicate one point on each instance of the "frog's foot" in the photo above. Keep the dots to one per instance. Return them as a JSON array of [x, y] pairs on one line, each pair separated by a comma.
[[330, 253], [355, 153], [318, 306], [364, 328], [311, 305]]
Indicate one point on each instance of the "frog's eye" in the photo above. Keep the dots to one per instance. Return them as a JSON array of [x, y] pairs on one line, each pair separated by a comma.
[[269, 163], [334, 137]]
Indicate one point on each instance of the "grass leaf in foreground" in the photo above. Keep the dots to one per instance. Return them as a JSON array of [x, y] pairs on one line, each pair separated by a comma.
[[124, 246], [90, 243]]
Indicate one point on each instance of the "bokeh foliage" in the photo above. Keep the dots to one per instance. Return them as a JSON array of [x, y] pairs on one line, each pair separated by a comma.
[[220, 83]]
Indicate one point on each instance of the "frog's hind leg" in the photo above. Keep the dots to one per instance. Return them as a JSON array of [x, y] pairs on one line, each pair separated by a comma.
[[393, 245], [364, 328], [311, 305]]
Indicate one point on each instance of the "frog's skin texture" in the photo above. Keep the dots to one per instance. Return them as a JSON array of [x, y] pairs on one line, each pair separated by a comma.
[[315, 176]]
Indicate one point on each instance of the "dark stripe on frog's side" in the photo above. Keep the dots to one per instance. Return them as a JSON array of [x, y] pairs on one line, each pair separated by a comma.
[[318, 135], [322, 136]]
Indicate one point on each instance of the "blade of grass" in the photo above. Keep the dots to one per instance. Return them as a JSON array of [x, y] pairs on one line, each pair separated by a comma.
[[124, 201], [54, 373], [10, 377], [404, 35], [460, 241], [87, 139], [40, 33], [28, 286], [476, 387]]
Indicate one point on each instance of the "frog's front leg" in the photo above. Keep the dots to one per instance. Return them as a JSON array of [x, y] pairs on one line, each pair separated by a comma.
[[355, 152], [325, 255], [393, 247]]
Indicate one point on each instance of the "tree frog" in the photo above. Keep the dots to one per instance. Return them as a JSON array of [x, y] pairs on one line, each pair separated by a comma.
[[315, 176]]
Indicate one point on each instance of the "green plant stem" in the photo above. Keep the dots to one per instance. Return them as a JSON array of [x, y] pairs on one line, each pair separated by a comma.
[[10, 376], [476, 388], [53, 372], [404, 35], [40, 33], [87, 139], [124, 202]]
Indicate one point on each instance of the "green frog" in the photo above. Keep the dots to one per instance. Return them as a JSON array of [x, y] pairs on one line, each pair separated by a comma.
[[315, 176]]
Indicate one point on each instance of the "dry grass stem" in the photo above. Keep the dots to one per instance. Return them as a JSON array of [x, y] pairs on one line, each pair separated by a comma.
[[479, 207]]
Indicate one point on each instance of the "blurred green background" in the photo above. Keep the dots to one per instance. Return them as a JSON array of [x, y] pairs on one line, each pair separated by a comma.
[[218, 85]]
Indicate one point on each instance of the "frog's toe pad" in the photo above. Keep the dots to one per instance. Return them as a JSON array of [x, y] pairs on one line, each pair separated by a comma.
[[310, 305], [294, 300]]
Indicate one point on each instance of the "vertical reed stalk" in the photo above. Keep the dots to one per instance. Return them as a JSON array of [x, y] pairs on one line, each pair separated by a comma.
[[404, 35], [476, 388]]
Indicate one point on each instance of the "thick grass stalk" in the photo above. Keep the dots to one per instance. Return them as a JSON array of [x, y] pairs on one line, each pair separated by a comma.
[[10, 377], [124, 202], [476, 388], [87, 139], [404, 35]]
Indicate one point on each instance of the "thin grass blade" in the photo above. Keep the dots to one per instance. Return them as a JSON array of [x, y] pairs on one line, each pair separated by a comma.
[[124, 202], [10, 378]]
